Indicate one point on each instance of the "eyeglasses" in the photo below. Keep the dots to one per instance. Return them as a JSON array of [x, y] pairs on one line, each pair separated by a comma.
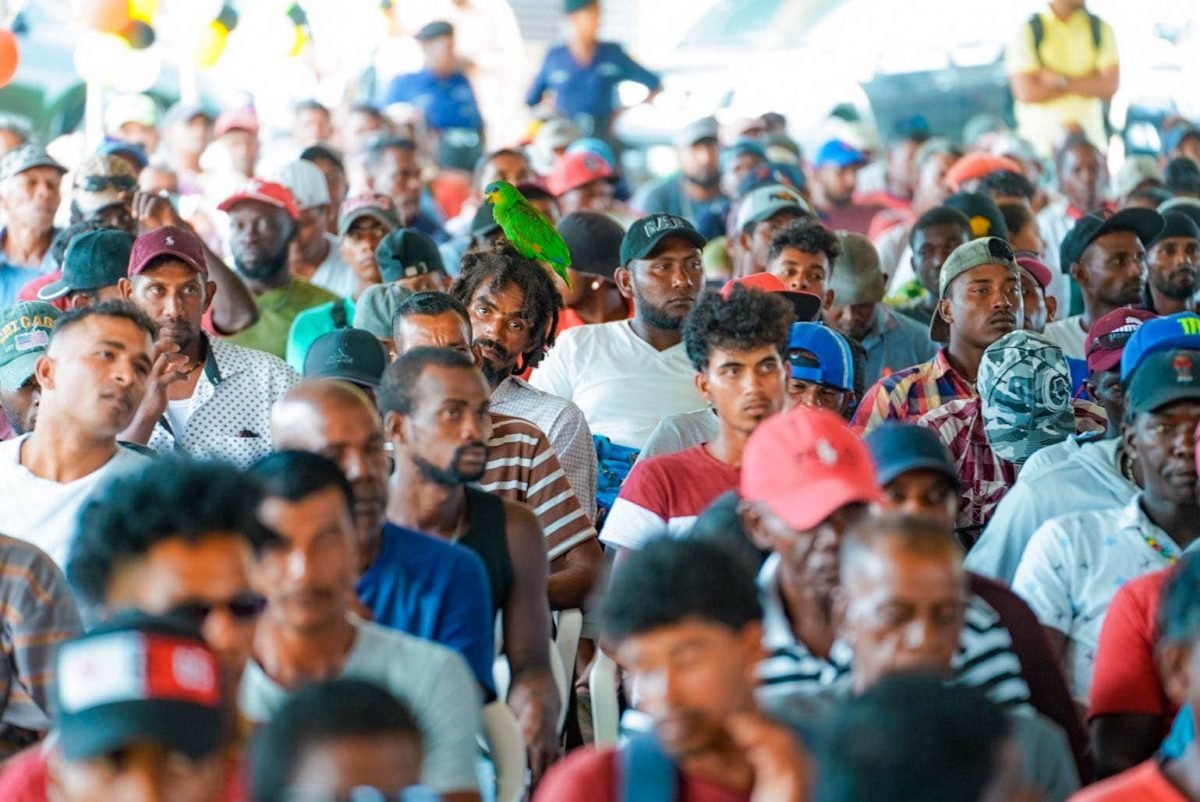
[[244, 607]]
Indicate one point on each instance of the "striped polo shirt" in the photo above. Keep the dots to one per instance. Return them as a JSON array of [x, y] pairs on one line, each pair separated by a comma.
[[522, 466], [985, 659], [663, 496]]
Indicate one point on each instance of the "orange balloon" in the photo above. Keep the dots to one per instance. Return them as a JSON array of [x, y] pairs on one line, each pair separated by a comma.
[[10, 56], [106, 16]]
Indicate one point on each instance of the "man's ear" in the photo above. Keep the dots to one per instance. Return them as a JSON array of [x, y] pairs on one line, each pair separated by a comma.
[[1080, 274], [623, 276], [126, 288], [1128, 430], [394, 428], [945, 309], [750, 515], [701, 380], [829, 296], [1171, 659], [43, 369], [750, 637], [210, 291], [1051, 307]]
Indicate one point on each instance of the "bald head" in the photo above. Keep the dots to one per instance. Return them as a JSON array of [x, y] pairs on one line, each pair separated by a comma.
[[874, 536], [339, 421]]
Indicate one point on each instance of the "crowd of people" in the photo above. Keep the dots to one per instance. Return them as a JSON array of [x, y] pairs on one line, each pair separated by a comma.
[[873, 472]]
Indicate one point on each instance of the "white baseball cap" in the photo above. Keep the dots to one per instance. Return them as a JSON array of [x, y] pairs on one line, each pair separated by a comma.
[[305, 181]]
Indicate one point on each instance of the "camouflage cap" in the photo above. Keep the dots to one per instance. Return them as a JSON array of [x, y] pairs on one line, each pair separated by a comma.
[[1024, 386]]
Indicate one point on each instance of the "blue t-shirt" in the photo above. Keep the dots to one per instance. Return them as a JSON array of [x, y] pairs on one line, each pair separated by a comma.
[[427, 587], [587, 93], [446, 101]]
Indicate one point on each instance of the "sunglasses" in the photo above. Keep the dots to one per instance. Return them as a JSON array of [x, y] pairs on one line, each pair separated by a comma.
[[99, 183], [244, 607]]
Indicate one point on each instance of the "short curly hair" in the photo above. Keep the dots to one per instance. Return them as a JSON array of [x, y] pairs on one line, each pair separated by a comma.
[[173, 497], [747, 319], [806, 235], [501, 265]]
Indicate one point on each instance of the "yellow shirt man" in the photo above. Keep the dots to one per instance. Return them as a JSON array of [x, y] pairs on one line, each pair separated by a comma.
[[1064, 83]]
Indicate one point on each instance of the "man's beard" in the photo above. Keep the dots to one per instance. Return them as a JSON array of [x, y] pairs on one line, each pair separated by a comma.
[[260, 271], [1176, 291], [449, 476], [706, 180], [492, 373], [657, 318]]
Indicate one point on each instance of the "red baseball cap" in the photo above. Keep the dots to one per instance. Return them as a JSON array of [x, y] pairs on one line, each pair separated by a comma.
[[267, 192], [977, 165], [243, 119], [805, 465], [805, 304], [1106, 338], [1037, 271], [574, 170], [168, 241]]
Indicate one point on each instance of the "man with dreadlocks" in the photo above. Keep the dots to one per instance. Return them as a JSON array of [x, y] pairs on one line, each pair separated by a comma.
[[1024, 404], [513, 307]]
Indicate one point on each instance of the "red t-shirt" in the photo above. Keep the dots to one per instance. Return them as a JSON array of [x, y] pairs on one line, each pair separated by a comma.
[[586, 775], [1125, 678], [1142, 783]]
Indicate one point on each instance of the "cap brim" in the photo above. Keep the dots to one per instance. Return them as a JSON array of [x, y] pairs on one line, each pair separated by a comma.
[[14, 375], [689, 234], [920, 463], [347, 220], [352, 376], [1103, 361], [229, 203], [806, 305], [803, 509], [1159, 394], [179, 726], [53, 291]]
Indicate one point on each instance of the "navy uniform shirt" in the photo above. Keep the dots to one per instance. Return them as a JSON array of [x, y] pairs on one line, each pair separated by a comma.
[[586, 93], [447, 101]]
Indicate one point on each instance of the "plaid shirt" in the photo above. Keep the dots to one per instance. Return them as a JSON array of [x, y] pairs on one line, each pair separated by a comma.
[[983, 476], [910, 393]]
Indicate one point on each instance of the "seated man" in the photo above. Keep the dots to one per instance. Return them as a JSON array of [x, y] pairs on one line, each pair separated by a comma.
[[902, 610], [821, 369], [163, 737], [800, 516], [736, 344], [1086, 473], [802, 256], [1074, 565], [307, 633], [409, 581], [1024, 404], [24, 335], [91, 379], [1175, 649], [979, 302], [691, 655], [207, 396], [332, 740]]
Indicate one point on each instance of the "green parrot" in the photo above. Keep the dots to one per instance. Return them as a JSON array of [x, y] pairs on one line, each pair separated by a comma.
[[529, 231]]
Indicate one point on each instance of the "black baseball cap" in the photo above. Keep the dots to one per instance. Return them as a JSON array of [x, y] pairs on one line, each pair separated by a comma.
[[594, 241], [898, 448], [1145, 223], [1162, 378], [351, 355], [1176, 225], [139, 678], [407, 253], [982, 212], [644, 235], [93, 260]]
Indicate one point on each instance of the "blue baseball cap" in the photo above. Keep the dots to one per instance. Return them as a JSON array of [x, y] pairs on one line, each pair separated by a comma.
[[743, 147], [898, 448], [1180, 331], [825, 356], [840, 154]]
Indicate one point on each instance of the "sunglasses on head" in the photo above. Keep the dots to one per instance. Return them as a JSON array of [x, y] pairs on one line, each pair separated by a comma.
[[243, 607], [99, 183]]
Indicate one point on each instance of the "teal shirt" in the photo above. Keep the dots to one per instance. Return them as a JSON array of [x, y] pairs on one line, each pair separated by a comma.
[[311, 324]]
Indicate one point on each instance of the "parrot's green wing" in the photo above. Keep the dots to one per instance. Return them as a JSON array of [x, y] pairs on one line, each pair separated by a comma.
[[534, 236]]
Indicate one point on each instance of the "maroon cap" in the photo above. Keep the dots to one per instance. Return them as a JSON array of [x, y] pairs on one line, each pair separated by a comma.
[[1037, 271], [1107, 337], [168, 241]]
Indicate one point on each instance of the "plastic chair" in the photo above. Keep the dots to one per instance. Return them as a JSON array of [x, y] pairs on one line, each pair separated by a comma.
[[566, 637], [506, 747], [606, 708]]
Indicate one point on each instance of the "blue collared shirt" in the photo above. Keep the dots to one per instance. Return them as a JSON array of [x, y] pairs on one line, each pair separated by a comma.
[[586, 93], [13, 276], [447, 101]]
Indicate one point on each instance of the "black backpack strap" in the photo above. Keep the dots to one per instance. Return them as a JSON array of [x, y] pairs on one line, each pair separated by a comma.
[[1097, 29], [338, 313], [1039, 35]]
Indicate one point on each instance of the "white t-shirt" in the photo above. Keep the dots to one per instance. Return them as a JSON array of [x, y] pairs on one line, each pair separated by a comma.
[[178, 413], [44, 512], [1074, 566], [681, 430], [1068, 334], [623, 384], [333, 274], [432, 680]]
